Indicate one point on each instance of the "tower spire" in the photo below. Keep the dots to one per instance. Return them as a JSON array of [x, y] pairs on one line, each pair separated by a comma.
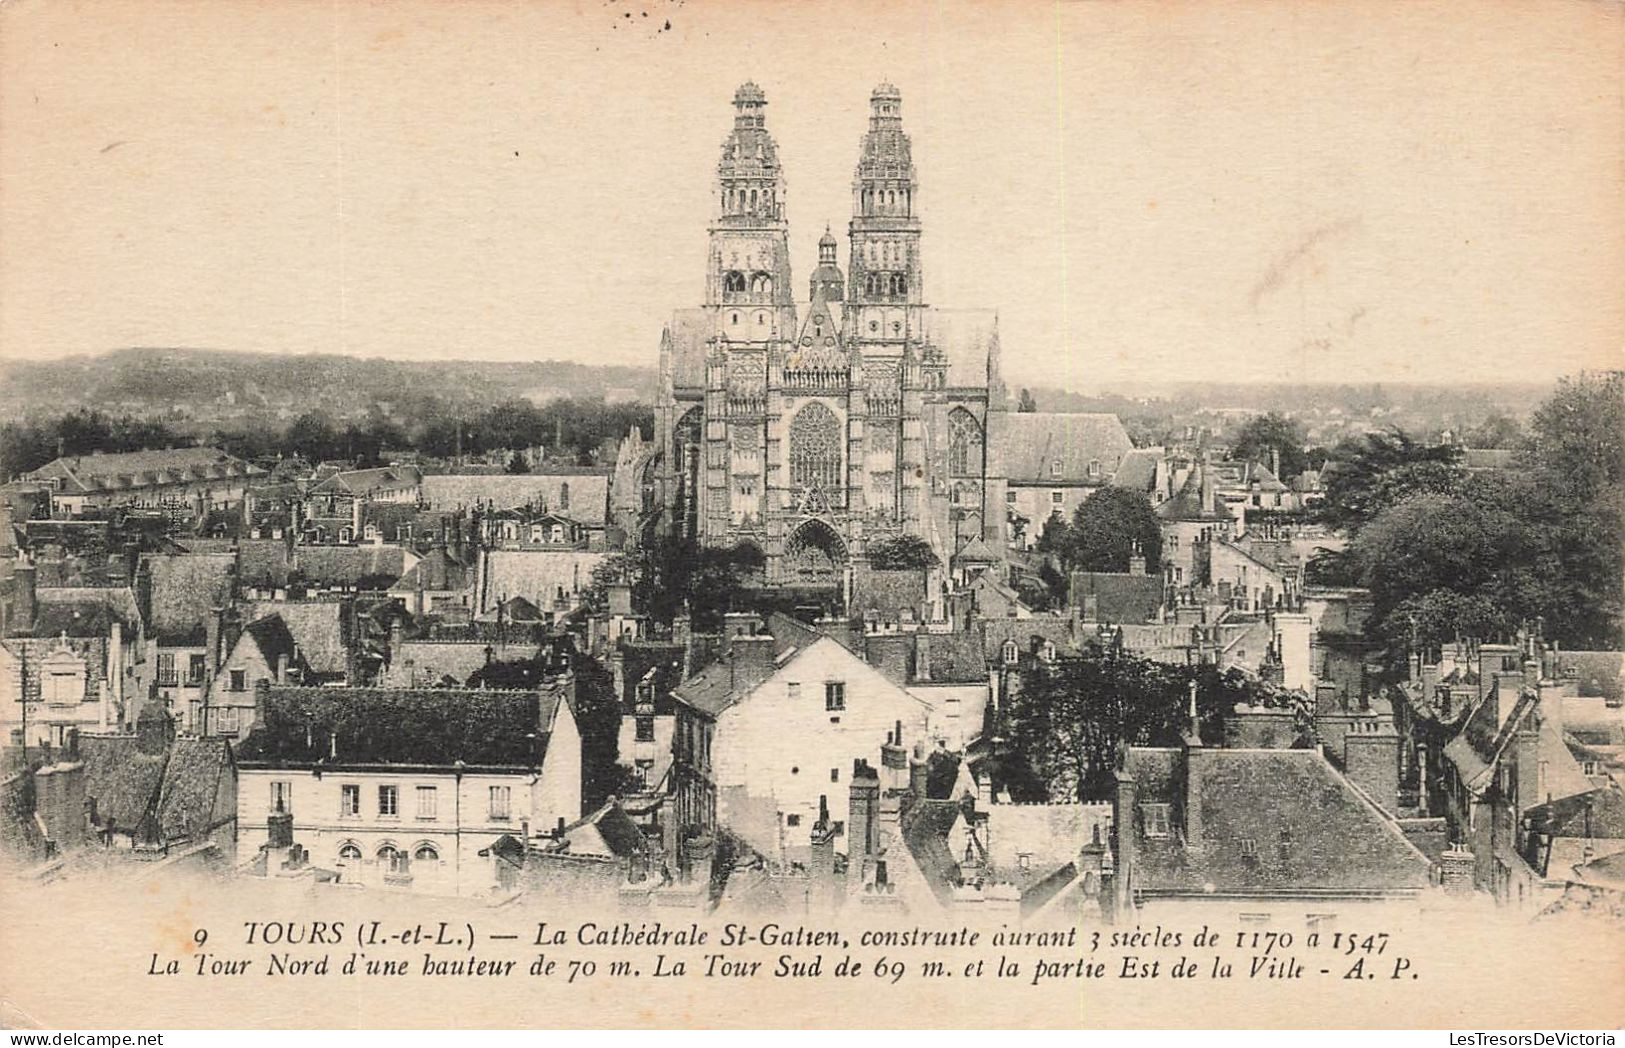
[[883, 287]]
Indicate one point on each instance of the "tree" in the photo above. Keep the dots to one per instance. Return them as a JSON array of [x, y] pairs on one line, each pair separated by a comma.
[[1107, 526], [1066, 724], [1264, 436], [1025, 403], [1497, 431], [670, 574], [902, 553], [518, 464], [1366, 475]]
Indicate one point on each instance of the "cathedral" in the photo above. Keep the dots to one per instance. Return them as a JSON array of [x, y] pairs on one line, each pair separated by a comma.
[[814, 430]]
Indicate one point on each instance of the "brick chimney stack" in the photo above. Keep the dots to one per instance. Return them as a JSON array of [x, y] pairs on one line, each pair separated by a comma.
[[862, 824], [26, 605]]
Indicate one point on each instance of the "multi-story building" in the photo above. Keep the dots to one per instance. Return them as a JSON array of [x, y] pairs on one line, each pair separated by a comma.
[[185, 482], [404, 788]]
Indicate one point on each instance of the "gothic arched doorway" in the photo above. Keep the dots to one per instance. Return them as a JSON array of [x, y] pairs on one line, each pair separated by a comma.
[[814, 555]]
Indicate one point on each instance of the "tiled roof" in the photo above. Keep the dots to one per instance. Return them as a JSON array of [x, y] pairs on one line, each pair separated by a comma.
[[484, 728], [273, 638], [587, 501], [620, 834], [1273, 821], [1026, 447], [1476, 748], [84, 611]]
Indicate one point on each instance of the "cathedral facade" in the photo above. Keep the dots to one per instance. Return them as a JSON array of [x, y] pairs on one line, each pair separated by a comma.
[[813, 430]]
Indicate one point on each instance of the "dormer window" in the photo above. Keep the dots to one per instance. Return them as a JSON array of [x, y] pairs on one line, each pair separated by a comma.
[[1047, 652], [1011, 653], [1154, 817]]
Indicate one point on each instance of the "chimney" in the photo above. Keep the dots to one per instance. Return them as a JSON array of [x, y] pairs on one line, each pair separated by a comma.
[[1494, 659], [211, 630], [922, 656], [894, 760], [1208, 507], [620, 599], [1275, 462], [59, 800], [355, 521], [918, 772], [26, 602], [1123, 816], [1136, 559], [750, 652], [1456, 870], [279, 830], [1371, 762], [862, 826], [1196, 759], [282, 667], [153, 730], [1293, 639], [143, 589]]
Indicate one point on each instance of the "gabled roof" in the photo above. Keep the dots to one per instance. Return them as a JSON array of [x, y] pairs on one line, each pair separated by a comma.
[[438, 570], [726, 681], [1598, 814], [539, 575], [81, 474], [1482, 739], [363, 482], [272, 637], [191, 786], [120, 778], [433, 727], [319, 626], [615, 828], [1027, 447], [1187, 505], [928, 825], [1138, 470], [185, 590], [84, 611], [350, 565], [1273, 822]]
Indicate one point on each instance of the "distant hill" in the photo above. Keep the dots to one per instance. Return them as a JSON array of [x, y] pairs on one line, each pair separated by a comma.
[[202, 382]]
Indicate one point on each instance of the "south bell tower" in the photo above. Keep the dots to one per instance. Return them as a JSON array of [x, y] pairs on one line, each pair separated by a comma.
[[884, 300]]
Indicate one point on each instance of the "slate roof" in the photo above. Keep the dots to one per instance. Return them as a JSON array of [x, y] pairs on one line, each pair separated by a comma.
[[1119, 597], [483, 728], [1596, 813], [122, 780], [1025, 446], [1482, 739], [263, 563], [191, 785], [929, 823], [273, 638], [1187, 505], [620, 834], [349, 565], [724, 682], [539, 575], [84, 611], [1138, 470], [1596, 672], [185, 590], [81, 474], [588, 501], [1307, 828], [438, 570], [969, 339], [363, 482], [318, 626]]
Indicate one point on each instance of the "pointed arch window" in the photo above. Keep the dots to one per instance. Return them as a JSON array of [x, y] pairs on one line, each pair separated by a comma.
[[964, 444], [733, 282], [815, 448]]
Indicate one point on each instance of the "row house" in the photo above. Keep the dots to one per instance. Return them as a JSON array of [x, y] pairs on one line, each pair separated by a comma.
[[183, 482], [404, 788]]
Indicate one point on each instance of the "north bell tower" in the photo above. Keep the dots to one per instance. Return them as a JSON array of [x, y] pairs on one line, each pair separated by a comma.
[[749, 264]]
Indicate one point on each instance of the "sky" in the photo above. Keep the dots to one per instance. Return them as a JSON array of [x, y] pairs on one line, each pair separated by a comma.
[[1305, 192]]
